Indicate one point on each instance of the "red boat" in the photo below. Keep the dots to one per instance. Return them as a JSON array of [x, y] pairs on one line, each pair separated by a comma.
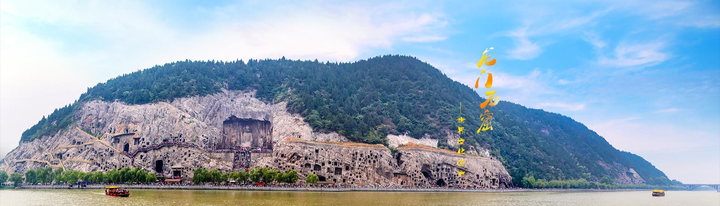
[[116, 191]]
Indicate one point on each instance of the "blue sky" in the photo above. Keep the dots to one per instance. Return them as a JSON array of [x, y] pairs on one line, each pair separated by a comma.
[[643, 74]]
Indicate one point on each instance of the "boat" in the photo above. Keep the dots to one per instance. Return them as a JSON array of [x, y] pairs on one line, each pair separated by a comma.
[[116, 191], [658, 193]]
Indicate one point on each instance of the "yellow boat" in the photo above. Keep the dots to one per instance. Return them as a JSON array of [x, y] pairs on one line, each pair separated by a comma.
[[658, 193], [116, 191]]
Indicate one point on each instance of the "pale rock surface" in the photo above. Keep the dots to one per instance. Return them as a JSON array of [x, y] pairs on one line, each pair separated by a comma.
[[397, 140]]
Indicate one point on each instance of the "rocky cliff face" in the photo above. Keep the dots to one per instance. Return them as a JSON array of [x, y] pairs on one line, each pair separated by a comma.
[[426, 167], [210, 131], [624, 175], [187, 132], [375, 165], [348, 163]]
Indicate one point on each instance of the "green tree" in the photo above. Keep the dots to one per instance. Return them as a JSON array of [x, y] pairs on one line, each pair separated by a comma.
[[140, 175], [90, 177], [126, 175], [528, 181], [291, 176], [107, 177], [256, 174], [269, 176], [41, 175], [70, 176], [48, 175], [234, 176], [3, 177], [242, 177], [30, 177], [16, 178], [280, 177], [215, 176], [115, 176], [607, 180], [311, 179], [199, 175], [150, 178], [57, 176], [82, 176], [224, 177]]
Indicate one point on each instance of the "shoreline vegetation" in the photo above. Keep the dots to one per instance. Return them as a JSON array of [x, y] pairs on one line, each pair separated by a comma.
[[265, 179], [314, 189]]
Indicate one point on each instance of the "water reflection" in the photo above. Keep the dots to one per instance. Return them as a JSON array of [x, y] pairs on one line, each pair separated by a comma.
[[221, 197]]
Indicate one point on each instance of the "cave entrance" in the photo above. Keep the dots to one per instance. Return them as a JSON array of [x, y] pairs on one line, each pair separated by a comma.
[[399, 162], [440, 183], [238, 132], [159, 166], [426, 172], [338, 171], [126, 148]]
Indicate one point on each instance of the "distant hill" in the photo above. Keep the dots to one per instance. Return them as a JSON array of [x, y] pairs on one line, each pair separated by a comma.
[[369, 99]]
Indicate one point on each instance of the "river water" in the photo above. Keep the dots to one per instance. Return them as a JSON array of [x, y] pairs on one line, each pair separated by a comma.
[[236, 197]]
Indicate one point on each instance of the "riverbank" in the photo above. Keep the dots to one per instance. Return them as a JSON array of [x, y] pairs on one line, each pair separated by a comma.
[[317, 189]]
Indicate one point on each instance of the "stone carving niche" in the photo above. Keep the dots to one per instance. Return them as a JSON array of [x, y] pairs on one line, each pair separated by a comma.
[[239, 132]]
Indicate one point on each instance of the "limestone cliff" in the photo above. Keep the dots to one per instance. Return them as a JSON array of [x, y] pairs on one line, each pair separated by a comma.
[[190, 132], [233, 130], [374, 165], [428, 167]]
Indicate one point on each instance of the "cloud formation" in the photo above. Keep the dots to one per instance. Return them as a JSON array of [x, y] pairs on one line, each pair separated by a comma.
[[642, 54]]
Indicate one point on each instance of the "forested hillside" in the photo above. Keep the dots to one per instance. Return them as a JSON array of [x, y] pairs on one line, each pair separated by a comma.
[[368, 99]]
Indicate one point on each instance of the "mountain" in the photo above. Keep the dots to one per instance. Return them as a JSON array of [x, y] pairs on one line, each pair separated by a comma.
[[369, 100]]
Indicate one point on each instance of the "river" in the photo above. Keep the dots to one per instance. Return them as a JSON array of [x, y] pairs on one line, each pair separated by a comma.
[[237, 197]]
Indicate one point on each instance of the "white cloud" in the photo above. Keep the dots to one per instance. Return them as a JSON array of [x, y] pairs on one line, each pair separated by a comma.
[[535, 90], [594, 39], [524, 48], [563, 106], [428, 38], [668, 110], [529, 81], [643, 54], [662, 9], [681, 13], [552, 24]]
